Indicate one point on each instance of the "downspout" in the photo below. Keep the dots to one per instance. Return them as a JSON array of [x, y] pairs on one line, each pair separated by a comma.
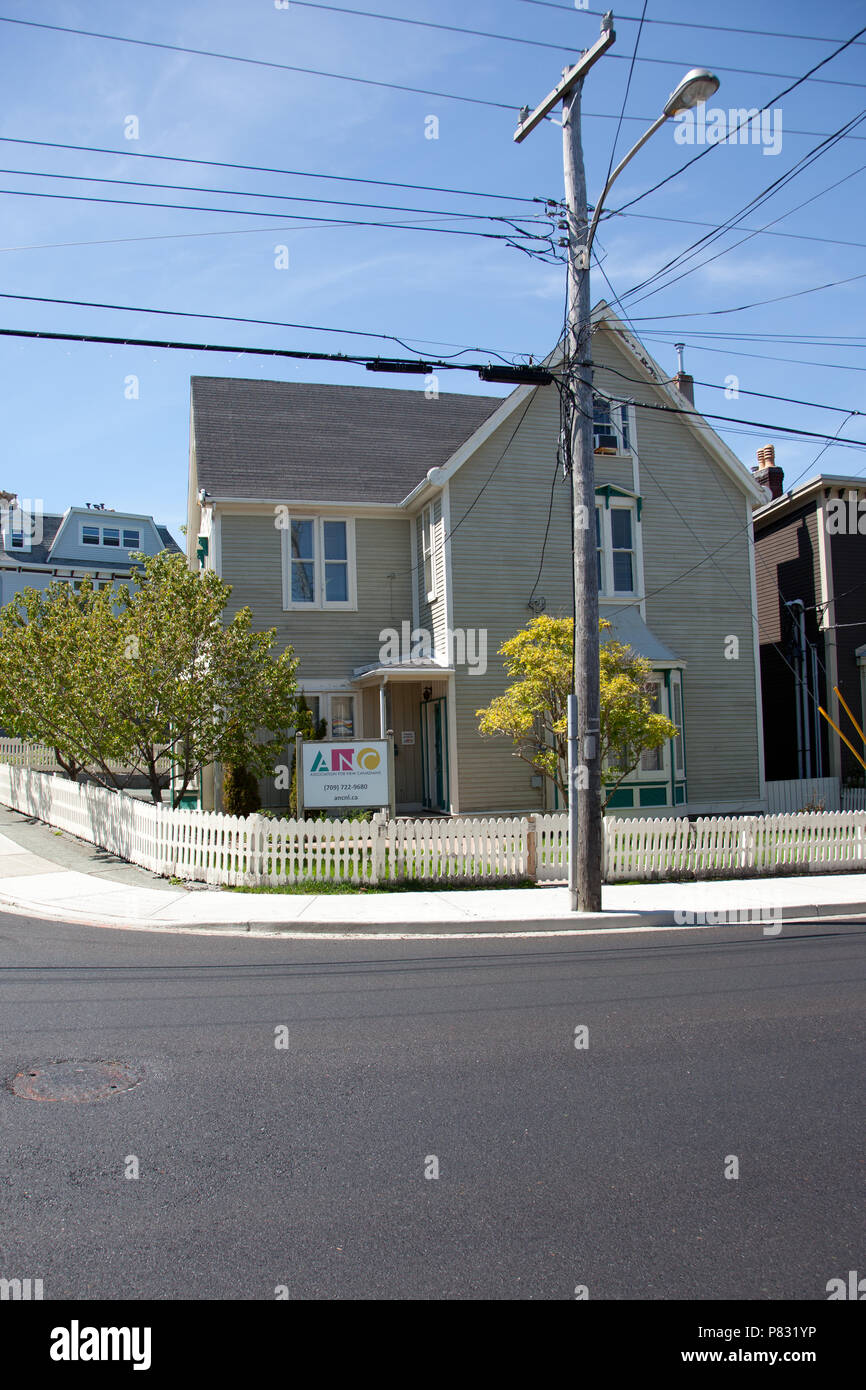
[[819, 752], [804, 690], [797, 702]]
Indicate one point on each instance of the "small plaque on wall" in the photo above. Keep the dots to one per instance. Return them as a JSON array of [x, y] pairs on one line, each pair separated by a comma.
[[407, 737]]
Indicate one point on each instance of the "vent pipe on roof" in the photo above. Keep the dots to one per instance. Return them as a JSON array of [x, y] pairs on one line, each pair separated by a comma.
[[684, 383]]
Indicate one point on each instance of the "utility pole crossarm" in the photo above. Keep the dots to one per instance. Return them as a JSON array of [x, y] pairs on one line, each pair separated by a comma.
[[572, 76]]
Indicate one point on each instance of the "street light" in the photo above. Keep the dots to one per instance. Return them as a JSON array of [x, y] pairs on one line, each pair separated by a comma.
[[697, 85], [584, 705]]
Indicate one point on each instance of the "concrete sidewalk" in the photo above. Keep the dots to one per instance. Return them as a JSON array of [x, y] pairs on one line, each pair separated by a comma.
[[46, 873]]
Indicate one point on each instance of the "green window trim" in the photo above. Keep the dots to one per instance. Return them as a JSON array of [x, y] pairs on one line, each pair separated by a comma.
[[608, 490]]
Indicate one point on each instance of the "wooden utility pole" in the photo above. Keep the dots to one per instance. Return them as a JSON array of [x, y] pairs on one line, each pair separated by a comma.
[[585, 809], [584, 769]]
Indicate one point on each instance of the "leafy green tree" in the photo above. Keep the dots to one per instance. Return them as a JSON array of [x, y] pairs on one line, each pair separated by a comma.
[[54, 646], [149, 669], [533, 711], [312, 732]]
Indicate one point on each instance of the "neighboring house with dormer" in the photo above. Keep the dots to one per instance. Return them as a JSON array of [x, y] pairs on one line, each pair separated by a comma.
[[37, 547], [395, 542]]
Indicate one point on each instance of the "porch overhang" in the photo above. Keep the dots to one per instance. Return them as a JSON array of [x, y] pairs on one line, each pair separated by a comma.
[[380, 672], [628, 627]]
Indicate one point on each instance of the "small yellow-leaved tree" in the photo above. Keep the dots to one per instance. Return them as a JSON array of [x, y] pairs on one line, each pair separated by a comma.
[[533, 711]]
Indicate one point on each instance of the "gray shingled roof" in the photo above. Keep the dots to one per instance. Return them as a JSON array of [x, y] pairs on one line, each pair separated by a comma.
[[277, 439]]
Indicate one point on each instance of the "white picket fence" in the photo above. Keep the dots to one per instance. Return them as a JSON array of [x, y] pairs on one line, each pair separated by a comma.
[[219, 849], [40, 757], [734, 846]]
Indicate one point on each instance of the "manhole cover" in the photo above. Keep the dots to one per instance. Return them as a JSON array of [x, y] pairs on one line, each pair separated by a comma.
[[73, 1080]]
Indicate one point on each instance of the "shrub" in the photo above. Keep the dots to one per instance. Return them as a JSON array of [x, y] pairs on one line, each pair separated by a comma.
[[240, 791]]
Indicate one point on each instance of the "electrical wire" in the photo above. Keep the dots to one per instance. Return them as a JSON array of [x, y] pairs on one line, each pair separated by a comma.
[[235, 318], [713, 386], [687, 24], [256, 62], [257, 193], [424, 226], [755, 304], [802, 164], [267, 169], [767, 106], [625, 95]]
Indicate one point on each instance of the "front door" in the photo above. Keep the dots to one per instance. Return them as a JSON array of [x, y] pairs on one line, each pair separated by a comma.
[[434, 754]]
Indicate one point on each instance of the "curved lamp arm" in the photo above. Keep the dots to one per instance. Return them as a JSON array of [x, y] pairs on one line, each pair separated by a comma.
[[615, 175]]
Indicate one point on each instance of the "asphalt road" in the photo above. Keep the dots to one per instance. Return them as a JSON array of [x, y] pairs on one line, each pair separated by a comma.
[[559, 1166]]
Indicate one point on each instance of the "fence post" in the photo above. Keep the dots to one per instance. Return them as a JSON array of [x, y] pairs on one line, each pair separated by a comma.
[[532, 848], [378, 865]]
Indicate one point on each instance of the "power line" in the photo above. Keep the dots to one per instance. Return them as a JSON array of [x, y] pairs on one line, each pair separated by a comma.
[[734, 419], [395, 86], [625, 95], [429, 24], [268, 169], [257, 62], [687, 24], [714, 386], [759, 356], [415, 366], [730, 222], [283, 216], [386, 363], [253, 193], [235, 318], [773, 100], [740, 308], [758, 231]]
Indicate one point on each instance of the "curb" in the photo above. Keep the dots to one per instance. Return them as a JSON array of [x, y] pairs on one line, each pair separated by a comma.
[[475, 927]]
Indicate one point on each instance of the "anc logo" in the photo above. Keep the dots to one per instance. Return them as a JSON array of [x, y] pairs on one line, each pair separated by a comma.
[[343, 760]]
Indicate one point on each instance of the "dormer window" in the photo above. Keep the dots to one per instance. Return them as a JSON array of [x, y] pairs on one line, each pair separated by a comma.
[[111, 537]]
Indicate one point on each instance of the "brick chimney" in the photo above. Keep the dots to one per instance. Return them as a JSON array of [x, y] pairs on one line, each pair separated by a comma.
[[684, 383], [767, 471]]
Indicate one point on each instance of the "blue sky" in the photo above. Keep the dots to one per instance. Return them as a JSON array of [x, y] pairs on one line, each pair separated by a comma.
[[71, 435]]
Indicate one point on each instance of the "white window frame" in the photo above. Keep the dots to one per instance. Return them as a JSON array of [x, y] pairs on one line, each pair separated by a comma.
[[657, 774], [101, 527], [325, 697], [130, 531], [679, 744], [622, 420], [319, 603], [428, 550], [606, 589]]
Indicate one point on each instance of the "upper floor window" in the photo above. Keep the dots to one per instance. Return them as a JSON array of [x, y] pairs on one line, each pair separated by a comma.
[[111, 536], [318, 563], [611, 427], [616, 551]]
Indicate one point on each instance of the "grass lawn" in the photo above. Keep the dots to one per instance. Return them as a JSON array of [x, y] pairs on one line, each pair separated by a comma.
[[412, 885]]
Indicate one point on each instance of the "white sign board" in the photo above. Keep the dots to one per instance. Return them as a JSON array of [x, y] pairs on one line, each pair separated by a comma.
[[408, 738], [345, 772]]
